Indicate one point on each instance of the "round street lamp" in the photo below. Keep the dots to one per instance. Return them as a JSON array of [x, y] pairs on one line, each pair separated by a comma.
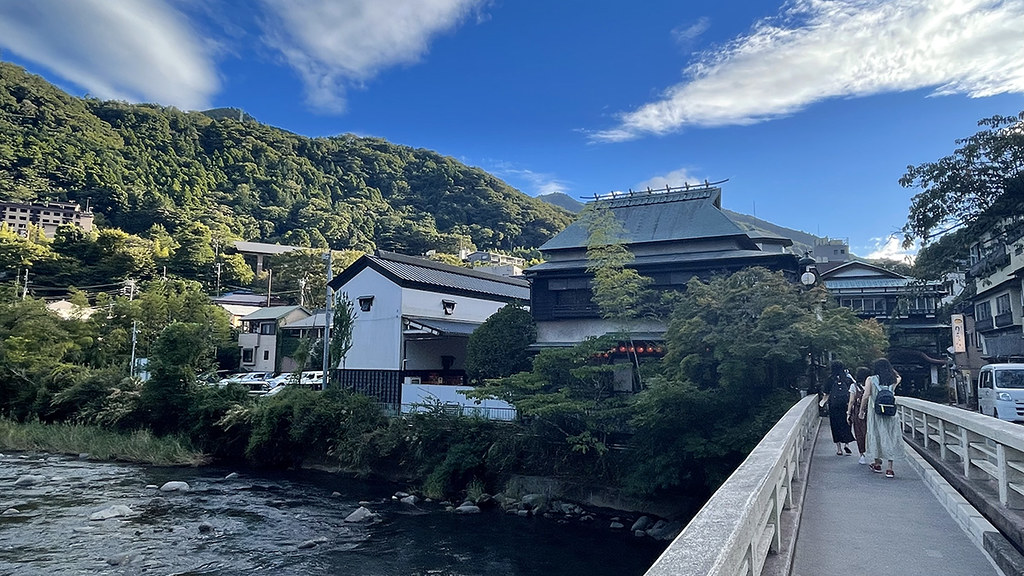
[[810, 275]]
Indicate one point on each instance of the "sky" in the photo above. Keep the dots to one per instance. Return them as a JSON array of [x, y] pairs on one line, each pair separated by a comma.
[[810, 109]]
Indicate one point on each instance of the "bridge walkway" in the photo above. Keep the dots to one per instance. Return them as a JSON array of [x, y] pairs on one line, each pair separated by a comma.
[[856, 522]]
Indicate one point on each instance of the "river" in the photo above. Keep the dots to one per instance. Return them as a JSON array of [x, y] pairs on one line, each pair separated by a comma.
[[275, 523]]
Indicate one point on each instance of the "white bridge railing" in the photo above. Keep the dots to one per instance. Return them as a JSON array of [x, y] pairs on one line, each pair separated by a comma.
[[741, 528], [984, 449]]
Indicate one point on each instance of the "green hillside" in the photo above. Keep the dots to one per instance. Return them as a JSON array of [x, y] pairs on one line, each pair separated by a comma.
[[147, 169]]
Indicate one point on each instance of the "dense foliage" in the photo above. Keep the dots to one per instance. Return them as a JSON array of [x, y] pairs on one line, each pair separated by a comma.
[[179, 187], [499, 347], [975, 187]]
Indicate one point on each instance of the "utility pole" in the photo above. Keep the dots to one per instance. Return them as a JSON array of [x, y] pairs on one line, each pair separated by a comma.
[[135, 331], [327, 321], [218, 278], [24, 292], [270, 278]]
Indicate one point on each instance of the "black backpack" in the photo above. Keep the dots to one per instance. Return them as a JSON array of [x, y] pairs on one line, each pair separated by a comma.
[[885, 401]]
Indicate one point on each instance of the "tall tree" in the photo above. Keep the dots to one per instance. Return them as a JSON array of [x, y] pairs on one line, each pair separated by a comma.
[[976, 186]]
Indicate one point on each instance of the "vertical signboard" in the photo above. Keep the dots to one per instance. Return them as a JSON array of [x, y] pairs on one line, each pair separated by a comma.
[[959, 338]]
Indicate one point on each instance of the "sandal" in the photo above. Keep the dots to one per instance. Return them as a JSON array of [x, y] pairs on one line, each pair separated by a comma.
[[889, 474], [847, 449], [875, 467]]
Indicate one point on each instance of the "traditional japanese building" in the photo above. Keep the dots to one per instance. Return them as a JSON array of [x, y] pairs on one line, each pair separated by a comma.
[[674, 234]]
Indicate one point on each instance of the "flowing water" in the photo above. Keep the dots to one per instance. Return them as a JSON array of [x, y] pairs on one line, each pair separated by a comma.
[[288, 523]]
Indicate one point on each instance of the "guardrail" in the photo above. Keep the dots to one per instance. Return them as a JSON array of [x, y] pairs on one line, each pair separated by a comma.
[[740, 530], [984, 449]]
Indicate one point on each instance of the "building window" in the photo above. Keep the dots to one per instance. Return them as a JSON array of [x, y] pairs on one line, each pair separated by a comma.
[[247, 355], [568, 284], [983, 311], [449, 307], [1003, 304], [365, 303], [268, 328], [266, 354]]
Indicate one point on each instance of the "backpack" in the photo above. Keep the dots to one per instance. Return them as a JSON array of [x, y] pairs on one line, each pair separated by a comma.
[[839, 397], [885, 401]]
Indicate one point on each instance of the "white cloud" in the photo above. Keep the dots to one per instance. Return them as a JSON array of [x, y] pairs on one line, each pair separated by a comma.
[[685, 35], [674, 178], [337, 45], [539, 183], [891, 248], [820, 49], [135, 50]]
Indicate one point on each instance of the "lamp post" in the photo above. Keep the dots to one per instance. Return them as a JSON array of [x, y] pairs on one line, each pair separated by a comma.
[[809, 277]]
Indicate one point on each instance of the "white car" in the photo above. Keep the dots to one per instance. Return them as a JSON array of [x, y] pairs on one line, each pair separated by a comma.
[[254, 381]]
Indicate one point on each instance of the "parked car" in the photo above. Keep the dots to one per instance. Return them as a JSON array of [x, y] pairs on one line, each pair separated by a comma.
[[1001, 391], [255, 381]]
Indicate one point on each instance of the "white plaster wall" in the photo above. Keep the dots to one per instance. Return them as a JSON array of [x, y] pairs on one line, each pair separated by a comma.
[[377, 334], [560, 331], [467, 309]]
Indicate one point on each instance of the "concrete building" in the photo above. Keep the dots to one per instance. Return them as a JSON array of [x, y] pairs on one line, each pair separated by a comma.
[[997, 272], [263, 345], [46, 215]]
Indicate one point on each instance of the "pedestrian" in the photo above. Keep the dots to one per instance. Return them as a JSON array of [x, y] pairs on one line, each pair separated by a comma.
[[883, 438], [838, 402], [859, 424]]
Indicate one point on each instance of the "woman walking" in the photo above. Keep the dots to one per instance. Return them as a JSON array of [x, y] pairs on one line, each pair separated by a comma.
[[883, 439], [838, 402], [860, 425]]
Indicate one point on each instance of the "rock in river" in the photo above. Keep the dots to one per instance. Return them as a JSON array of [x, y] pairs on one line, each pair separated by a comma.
[[175, 486], [361, 515], [29, 480], [115, 511]]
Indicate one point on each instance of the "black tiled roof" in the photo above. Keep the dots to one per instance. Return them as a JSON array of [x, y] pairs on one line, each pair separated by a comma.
[[410, 271]]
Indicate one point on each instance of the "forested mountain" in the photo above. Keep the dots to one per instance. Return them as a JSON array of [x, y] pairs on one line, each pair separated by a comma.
[[154, 171]]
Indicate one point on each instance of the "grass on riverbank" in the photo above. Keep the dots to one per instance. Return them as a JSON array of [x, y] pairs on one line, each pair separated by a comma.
[[98, 443]]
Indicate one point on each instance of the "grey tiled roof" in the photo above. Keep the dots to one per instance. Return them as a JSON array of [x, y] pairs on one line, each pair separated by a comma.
[[410, 270], [656, 217], [271, 313], [660, 259], [877, 283]]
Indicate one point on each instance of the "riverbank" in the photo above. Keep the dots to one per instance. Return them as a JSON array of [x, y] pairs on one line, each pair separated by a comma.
[[97, 443]]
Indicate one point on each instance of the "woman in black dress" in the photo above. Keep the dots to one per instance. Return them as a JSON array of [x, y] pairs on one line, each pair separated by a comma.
[[838, 402]]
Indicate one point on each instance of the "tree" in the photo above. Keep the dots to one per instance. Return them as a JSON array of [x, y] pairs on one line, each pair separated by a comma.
[[618, 290], [737, 346], [180, 353], [341, 331], [976, 187], [499, 347]]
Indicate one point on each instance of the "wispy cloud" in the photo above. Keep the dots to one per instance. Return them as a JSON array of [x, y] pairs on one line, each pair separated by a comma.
[[539, 183], [891, 248], [135, 50], [685, 35], [674, 178], [335, 46], [820, 49]]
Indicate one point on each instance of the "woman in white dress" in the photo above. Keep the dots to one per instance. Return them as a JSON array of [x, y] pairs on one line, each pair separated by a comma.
[[884, 436]]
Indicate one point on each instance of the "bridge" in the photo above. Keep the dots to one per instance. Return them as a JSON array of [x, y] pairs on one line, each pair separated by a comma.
[[795, 508]]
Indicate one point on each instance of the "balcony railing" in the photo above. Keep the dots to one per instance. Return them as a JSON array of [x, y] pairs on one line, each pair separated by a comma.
[[1004, 319], [996, 258], [983, 325]]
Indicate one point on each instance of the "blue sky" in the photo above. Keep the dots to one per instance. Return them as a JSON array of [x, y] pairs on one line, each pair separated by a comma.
[[812, 109]]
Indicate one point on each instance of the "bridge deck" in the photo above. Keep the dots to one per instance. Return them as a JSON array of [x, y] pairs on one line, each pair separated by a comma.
[[857, 522]]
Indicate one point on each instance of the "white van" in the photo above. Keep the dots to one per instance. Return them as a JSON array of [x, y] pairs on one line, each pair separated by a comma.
[[1001, 391]]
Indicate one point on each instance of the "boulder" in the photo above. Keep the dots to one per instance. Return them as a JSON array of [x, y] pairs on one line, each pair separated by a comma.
[[175, 486], [361, 515], [400, 495], [467, 509], [410, 500], [522, 513], [11, 512], [231, 476], [115, 511], [616, 525], [663, 530], [205, 527], [152, 487], [307, 545], [121, 559], [536, 502], [29, 480], [642, 523]]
